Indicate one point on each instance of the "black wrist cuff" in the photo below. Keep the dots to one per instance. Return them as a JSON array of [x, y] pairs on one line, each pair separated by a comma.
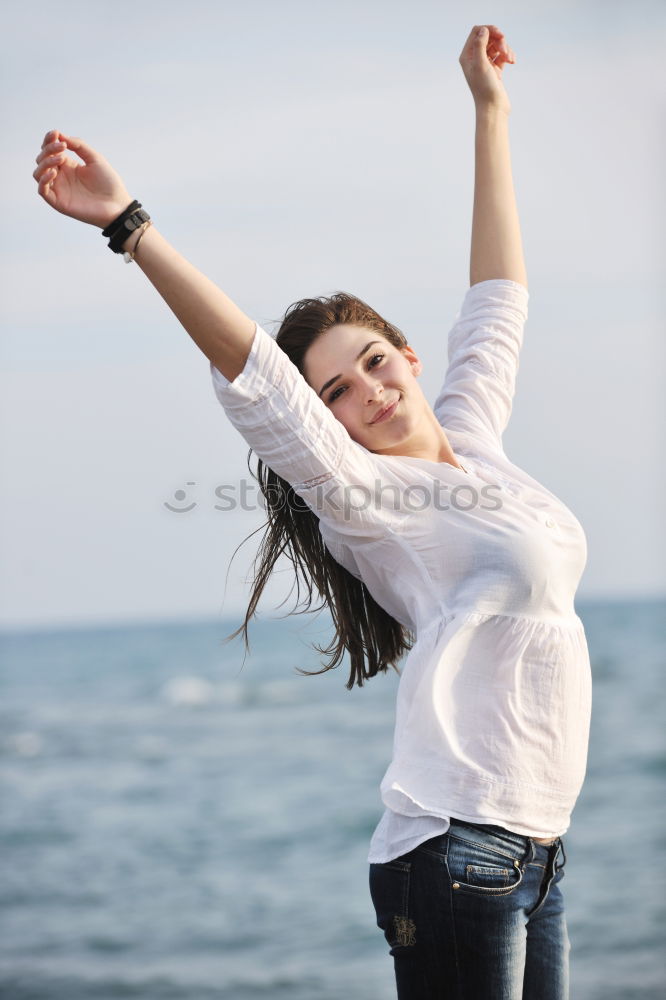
[[132, 207], [126, 227]]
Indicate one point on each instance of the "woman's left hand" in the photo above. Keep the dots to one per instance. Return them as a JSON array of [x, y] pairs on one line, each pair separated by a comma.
[[482, 59]]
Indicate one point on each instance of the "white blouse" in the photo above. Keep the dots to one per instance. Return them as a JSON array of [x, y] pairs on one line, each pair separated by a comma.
[[494, 700]]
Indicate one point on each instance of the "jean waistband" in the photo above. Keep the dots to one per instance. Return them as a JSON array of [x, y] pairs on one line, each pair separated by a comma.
[[507, 839]]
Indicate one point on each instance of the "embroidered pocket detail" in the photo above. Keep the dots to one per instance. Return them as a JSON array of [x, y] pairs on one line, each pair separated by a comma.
[[404, 931], [389, 889], [496, 878]]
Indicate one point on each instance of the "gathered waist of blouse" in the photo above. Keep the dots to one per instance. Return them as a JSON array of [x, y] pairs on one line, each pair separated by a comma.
[[569, 624]]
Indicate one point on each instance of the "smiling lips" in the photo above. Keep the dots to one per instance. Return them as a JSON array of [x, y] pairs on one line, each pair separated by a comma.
[[386, 412]]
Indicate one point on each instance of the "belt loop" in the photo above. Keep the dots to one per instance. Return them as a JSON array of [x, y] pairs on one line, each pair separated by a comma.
[[526, 860]]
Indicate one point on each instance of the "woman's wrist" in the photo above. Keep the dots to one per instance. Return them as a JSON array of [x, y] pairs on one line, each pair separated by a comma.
[[112, 213], [131, 244], [492, 109]]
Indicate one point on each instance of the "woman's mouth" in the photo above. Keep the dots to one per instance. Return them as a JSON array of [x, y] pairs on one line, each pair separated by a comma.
[[386, 413]]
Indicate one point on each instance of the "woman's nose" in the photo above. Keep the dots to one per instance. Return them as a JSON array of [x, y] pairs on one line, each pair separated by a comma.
[[373, 391]]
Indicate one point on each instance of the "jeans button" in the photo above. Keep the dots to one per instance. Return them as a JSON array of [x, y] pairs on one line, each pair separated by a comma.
[[456, 885]]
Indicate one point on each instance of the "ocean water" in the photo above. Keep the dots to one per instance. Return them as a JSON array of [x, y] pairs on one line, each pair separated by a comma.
[[178, 825]]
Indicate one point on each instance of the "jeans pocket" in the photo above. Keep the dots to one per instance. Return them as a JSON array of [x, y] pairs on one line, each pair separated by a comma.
[[477, 869], [389, 890]]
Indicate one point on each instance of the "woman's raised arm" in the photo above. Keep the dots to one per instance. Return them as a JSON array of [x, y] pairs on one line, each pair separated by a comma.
[[497, 250], [93, 192]]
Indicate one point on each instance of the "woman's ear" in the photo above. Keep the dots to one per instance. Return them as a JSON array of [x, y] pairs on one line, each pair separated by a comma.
[[414, 361]]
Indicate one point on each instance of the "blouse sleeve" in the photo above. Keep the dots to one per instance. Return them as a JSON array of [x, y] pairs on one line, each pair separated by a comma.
[[294, 433], [484, 347]]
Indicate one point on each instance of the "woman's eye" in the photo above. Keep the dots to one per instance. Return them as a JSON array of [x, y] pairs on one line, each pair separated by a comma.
[[341, 388]]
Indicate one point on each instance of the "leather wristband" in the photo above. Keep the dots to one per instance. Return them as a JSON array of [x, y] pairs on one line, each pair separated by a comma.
[[132, 207], [126, 228], [124, 225]]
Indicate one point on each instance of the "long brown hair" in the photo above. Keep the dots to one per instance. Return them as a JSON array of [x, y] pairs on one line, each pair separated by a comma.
[[372, 637]]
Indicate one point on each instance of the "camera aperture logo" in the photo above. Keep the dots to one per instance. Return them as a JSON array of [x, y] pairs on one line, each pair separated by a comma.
[[342, 502]]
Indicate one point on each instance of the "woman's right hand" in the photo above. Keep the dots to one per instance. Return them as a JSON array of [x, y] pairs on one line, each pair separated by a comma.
[[90, 191], [483, 58]]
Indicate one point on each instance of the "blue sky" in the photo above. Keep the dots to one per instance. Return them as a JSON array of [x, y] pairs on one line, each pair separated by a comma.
[[292, 149]]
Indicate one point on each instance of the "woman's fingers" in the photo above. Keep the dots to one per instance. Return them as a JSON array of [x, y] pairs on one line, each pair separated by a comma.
[[492, 40], [50, 147], [497, 48], [497, 36], [39, 170], [56, 141], [498, 44], [47, 176], [51, 136], [48, 163], [497, 56], [45, 189], [51, 154], [81, 148]]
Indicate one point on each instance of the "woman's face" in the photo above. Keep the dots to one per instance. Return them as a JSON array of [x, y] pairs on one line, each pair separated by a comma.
[[358, 374]]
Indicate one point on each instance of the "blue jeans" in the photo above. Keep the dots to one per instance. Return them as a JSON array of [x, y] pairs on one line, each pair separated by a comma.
[[475, 914]]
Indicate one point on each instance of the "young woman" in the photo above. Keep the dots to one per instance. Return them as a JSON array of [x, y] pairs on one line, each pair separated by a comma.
[[420, 534]]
